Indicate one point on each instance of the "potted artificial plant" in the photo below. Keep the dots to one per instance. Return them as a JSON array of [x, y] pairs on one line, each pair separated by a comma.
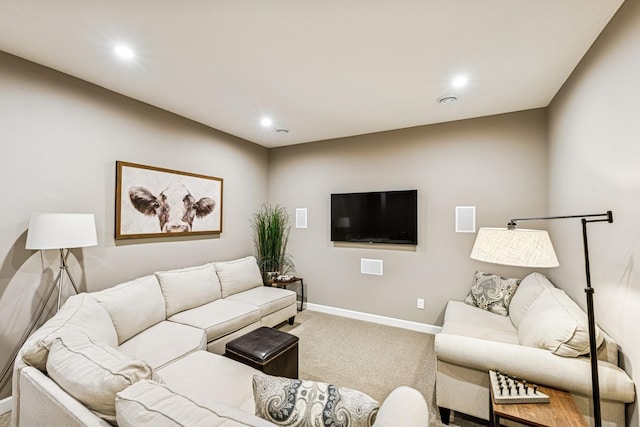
[[271, 233]]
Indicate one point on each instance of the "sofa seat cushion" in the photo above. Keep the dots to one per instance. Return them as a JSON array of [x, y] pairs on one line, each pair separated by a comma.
[[481, 332], [133, 306], [556, 323], [214, 376], [164, 343], [93, 373], [269, 299], [80, 313], [463, 319], [149, 404], [238, 275], [219, 318], [186, 288]]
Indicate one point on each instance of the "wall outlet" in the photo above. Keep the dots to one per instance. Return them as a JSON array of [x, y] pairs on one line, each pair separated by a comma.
[[420, 304]]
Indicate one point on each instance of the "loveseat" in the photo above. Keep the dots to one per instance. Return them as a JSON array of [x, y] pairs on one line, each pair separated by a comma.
[[148, 352], [539, 335]]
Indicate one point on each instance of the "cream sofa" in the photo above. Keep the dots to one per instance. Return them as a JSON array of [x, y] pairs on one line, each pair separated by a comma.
[[544, 340], [148, 352]]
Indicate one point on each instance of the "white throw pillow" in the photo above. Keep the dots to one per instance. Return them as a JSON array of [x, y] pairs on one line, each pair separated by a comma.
[[528, 290], [187, 288], [133, 306], [93, 373], [80, 313], [556, 323], [238, 275]]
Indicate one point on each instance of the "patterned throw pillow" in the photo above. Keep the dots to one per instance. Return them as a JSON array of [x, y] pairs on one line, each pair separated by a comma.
[[296, 403], [492, 293]]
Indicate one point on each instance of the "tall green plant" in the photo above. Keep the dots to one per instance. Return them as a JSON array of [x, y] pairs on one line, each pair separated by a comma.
[[271, 234]]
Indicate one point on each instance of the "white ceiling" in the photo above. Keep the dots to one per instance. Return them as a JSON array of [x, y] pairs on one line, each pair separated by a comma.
[[322, 69]]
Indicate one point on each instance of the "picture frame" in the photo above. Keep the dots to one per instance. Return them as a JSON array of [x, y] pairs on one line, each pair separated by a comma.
[[158, 202]]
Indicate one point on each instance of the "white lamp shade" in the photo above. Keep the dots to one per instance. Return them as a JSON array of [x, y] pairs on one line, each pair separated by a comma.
[[516, 247], [61, 231]]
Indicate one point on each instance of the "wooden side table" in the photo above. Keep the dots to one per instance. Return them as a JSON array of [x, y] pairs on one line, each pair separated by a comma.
[[284, 283], [561, 411]]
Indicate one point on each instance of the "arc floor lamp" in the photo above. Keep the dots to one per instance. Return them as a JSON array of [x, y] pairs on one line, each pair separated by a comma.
[[60, 231], [533, 248]]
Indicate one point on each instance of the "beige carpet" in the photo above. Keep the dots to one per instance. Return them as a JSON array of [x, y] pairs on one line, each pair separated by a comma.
[[5, 419], [369, 357]]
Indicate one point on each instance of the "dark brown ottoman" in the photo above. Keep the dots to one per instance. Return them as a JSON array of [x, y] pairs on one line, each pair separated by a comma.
[[267, 349]]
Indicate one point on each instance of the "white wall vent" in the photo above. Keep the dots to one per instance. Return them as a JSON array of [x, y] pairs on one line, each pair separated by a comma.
[[371, 266]]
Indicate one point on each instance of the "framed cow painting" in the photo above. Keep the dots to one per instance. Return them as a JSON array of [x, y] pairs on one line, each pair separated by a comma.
[[157, 202]]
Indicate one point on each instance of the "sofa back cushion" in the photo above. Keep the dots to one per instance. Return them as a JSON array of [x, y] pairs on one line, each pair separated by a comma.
[[556, 323], [149, 404], [608, 350], [93, 373], [238, 275], [133, 306], [529, 289], [80, 313], [187, 288]]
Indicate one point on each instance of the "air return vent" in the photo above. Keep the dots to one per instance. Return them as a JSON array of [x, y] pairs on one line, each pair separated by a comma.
[[371, 266]]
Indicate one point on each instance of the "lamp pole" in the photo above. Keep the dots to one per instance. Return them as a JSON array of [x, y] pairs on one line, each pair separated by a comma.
[[593, 356]]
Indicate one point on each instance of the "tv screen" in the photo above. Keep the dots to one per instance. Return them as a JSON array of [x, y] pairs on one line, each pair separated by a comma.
[[375, 217]]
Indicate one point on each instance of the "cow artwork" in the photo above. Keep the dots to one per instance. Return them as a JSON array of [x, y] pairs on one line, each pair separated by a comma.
[[175, 207], [155, 202]]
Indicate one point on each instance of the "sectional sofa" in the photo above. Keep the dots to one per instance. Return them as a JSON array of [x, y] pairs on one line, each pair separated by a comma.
[[148, 352], [543, 339]]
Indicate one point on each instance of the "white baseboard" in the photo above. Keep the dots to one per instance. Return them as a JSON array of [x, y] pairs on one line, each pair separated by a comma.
[[389, 321], [5, 405]]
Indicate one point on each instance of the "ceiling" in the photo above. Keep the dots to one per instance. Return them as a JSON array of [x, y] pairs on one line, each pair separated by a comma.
[[319, 69]]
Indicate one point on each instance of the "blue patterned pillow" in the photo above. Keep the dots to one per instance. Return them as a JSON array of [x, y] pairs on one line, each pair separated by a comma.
[[492, 293], [297, 403]]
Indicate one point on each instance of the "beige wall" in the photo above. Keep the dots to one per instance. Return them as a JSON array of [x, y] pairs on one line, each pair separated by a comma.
[[498, 164], [594, 133], [60, 139]]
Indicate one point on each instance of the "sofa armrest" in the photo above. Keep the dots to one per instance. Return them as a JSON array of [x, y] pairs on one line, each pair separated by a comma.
[[535, 365], [43, 402], [405, 407]]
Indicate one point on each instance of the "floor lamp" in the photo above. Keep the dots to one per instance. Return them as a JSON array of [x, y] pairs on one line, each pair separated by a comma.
[[533, 248], [61, 231]]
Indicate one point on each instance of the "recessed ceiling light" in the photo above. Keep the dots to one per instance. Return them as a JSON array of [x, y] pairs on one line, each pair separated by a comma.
[[447, 99], [124, 52], [460, 81], [266, 122], [282, 130]]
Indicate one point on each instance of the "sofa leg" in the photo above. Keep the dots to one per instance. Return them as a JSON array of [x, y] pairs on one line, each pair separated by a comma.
[[445, 413], [292, 319]]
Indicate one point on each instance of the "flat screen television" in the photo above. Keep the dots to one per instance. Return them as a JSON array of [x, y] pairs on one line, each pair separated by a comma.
[[375, 217]]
